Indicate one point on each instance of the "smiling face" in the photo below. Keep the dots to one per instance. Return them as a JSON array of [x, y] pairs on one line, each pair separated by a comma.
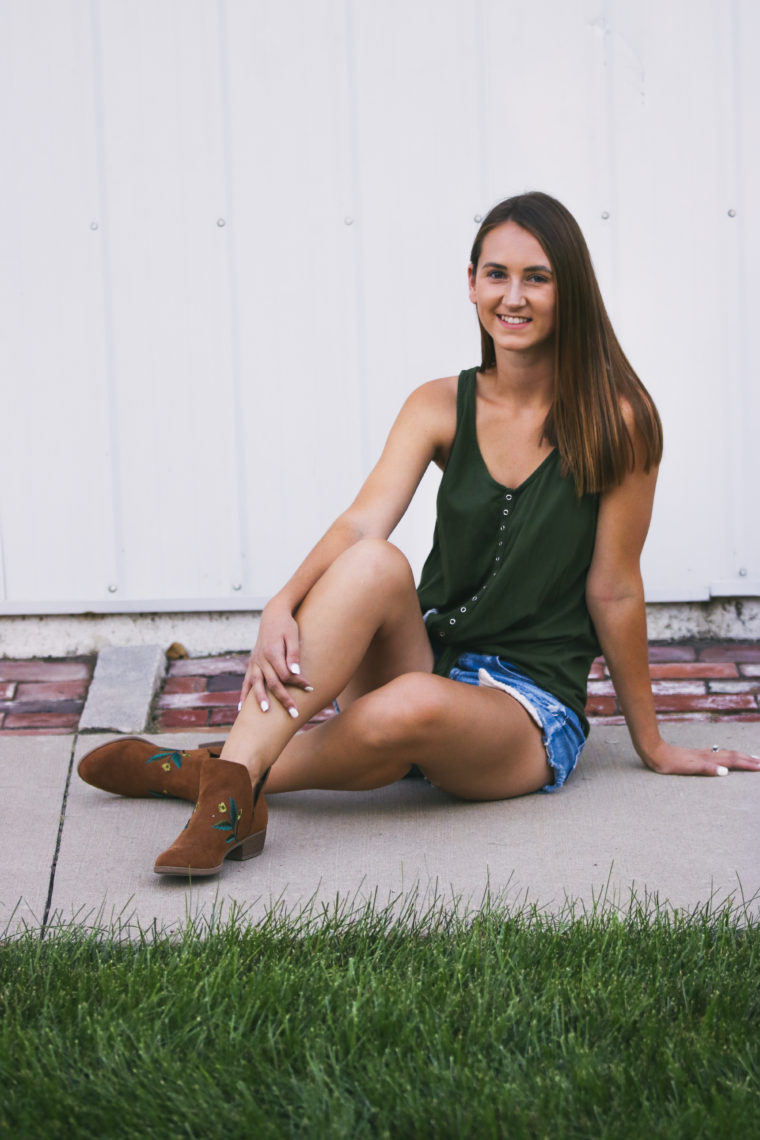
[[514, 290]]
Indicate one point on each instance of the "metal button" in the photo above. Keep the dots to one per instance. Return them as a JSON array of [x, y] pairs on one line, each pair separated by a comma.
[[452, 621], [463, 609], [501, 544], [502, 527], [498, 559], [507, 496], [505, 511], [440, 634]]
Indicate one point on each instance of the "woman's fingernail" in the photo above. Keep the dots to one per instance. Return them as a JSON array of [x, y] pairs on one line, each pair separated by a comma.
[[308, 689], [295, 668], [294, 713], [264, 706], [240, 705], [721, 771]]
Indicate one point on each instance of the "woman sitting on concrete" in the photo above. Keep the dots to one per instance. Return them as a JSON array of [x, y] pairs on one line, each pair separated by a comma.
[[549, 452]]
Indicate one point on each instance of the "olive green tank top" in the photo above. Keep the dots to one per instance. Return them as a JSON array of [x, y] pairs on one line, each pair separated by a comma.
[[507, 572]]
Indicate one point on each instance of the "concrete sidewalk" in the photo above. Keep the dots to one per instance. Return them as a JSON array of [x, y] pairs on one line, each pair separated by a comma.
[[69, 852]]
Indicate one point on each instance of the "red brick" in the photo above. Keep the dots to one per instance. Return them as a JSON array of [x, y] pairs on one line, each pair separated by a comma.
[[696, 688], [7, 691], [185, 685], [183, 718], [749, 670], [224, 683], [41, 720], [601, 706], [713, 702], [45, 671], [734, 686], [601, 689], [596, 672], [690, 670], [602, 720], [35, 731], [223, 716], [744, 652], [744, 716], [672, 653], [22, 708], [702, 717], [197, 700], [209, 666], [52, 691]]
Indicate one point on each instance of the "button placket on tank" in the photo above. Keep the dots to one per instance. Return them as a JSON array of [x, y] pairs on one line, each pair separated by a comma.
[[505, 511]]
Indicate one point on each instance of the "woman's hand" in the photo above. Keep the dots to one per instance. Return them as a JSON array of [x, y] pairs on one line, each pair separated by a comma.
[[274, 661], [670, 760]]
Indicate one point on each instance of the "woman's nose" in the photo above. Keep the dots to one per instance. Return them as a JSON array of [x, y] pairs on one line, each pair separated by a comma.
[[513, 292]]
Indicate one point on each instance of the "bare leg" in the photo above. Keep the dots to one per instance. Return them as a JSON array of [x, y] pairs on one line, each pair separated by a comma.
[[363, 612], [477, 743], [362, 635]]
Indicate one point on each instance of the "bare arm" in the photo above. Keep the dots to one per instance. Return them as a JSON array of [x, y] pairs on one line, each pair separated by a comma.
[[615, 597], [419, 435]]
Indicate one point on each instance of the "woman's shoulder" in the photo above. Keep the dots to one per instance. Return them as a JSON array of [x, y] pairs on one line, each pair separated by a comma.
[[432, 409]]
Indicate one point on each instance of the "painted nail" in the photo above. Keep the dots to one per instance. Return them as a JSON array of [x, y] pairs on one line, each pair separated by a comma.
[[309, 689], [294, 713], [264, 706], [240, 705], [295, 668], [721, 771]]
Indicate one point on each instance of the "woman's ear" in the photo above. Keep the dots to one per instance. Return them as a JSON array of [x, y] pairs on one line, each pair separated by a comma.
[[471, 283]]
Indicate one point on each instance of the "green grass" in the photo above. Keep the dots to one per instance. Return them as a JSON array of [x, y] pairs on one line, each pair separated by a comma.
[[640, 1024]]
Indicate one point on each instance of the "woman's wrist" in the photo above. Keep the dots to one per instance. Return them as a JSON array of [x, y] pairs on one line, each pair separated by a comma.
[[650, 751]]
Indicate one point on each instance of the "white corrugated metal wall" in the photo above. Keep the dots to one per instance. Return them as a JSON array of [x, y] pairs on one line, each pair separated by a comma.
[[234, 235]]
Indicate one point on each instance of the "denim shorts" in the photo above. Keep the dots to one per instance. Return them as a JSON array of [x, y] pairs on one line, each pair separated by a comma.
[[562, 733]]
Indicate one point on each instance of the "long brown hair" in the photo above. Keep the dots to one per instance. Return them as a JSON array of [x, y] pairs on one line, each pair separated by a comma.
[[591, 371]]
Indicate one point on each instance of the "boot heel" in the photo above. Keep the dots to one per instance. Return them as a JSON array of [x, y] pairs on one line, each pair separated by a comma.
[[250, 847]]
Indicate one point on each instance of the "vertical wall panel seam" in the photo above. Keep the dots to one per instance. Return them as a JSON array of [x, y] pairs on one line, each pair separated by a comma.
[[739, 458], [480, 80], [610, 80], [241, 465], [112, 397], [356, 233]]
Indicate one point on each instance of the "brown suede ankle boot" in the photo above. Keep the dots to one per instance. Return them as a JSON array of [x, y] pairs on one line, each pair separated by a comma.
[[135, 767], [229, 820]]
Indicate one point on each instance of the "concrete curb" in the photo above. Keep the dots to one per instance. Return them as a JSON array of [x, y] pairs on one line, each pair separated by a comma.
[[123, 686]]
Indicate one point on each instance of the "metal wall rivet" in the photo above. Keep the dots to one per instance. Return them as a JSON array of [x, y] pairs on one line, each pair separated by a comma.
[[220, 222], [236, 586], [743, 572], [348, 221], [93, 225], [732, 213], [478, 218], [112, 589], [605, 215]]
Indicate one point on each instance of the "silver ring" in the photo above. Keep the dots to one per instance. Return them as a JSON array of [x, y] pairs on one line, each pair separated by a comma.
[[715, 748]]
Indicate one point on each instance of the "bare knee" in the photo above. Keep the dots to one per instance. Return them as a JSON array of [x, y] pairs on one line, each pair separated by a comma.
[[404, 713], [379, 559]]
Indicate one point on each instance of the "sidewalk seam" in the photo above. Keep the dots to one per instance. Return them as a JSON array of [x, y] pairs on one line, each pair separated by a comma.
[[59, 836]]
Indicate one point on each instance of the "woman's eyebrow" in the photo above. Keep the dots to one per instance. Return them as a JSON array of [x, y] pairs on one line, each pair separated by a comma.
[[528, 268]]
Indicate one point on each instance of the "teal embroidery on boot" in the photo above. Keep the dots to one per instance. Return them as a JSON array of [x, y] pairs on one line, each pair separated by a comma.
[[231, 824], [174, 758]]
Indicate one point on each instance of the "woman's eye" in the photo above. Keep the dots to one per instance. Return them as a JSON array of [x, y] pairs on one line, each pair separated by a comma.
[[496, 273], [538, 278]]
